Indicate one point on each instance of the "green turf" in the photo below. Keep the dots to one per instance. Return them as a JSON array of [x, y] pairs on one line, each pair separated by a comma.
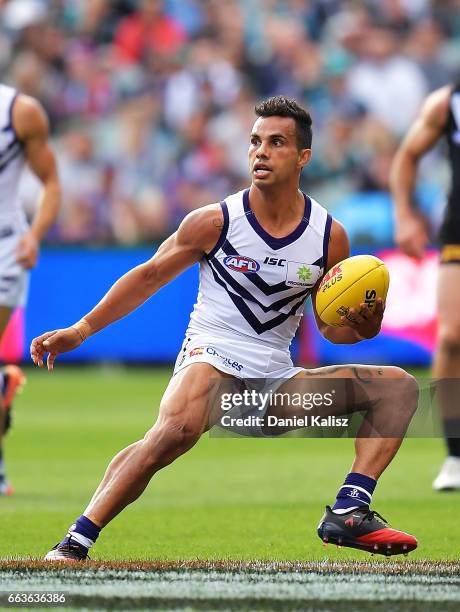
[[400, 586], [226, 498]]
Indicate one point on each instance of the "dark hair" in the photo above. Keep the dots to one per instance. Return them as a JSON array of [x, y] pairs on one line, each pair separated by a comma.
[[287, 107]]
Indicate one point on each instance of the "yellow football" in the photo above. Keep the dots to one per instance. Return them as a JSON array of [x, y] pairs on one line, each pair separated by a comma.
[[350, 283]]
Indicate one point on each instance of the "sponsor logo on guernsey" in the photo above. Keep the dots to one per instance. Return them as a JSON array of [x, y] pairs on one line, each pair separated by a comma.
[[275, 261], [299, 274], [304, 273], [239, 263]]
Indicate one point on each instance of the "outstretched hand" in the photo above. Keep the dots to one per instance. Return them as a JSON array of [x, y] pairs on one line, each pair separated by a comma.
[[54, 343], [365, 322], [27, 251]]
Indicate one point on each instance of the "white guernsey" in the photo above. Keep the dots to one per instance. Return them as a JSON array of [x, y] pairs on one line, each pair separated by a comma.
[[253, 289], [13, 224]]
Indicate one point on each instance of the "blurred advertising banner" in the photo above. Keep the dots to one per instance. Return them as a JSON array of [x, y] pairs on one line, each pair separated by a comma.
[[409, 328], [68, 282], [410, 315]]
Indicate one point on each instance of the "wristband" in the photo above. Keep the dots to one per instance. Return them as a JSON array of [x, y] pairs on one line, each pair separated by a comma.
[[83, 329]]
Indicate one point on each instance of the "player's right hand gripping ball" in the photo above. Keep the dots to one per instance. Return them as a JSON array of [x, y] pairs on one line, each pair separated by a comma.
[[361, 279]]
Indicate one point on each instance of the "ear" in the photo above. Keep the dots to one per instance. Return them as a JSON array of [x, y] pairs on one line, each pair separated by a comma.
[[304, 157]]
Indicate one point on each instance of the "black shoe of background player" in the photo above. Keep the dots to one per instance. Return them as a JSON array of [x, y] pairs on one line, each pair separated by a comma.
[[69, 550], [364, 529]]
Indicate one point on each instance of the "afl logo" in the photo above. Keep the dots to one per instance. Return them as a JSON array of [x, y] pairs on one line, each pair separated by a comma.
[[238, 263]]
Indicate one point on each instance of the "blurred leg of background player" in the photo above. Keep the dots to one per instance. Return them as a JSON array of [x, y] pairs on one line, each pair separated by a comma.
[[446, 366], [11, 379]]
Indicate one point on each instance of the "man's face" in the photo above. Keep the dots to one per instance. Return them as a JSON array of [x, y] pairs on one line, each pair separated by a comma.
[[273, 153]]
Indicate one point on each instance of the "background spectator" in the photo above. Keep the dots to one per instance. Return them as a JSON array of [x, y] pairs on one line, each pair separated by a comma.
[[151, 101]]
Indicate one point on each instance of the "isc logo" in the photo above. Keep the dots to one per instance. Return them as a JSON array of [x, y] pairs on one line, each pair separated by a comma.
[[274, 261], [238, 263]]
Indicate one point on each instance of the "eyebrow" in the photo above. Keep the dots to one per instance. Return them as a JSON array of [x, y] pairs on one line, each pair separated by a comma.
[[269, 136]]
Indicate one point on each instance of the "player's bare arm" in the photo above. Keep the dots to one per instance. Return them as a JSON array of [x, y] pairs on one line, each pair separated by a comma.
[[361, 325], [411, 233], [196, 236], [31, 126]]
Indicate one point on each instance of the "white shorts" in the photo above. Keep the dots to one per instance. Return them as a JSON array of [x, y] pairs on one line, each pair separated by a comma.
[[14, 279], [236, 357], [254, 366]]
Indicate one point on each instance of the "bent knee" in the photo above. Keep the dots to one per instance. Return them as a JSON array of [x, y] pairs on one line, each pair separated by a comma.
[[184, 432], [170, 438], [404, 389], [398, 373]]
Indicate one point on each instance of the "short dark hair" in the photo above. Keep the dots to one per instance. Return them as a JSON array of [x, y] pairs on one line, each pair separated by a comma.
[[287, 107]]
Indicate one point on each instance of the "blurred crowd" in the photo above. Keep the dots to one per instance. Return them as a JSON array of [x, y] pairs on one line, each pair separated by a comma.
[[151, 101]]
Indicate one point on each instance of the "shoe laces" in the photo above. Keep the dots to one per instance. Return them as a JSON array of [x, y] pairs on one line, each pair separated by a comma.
[[72, 543], [371, 514]]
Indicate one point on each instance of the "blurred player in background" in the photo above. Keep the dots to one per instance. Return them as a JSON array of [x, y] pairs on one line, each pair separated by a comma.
[[262, 253], [23, 138], [438, 118]]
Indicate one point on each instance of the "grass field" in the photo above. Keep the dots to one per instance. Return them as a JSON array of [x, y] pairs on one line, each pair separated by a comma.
[[330, 586], [227, 499]]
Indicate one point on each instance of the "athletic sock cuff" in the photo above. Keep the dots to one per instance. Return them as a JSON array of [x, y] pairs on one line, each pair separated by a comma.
[[85, 527], [361, 480], [356, 491]]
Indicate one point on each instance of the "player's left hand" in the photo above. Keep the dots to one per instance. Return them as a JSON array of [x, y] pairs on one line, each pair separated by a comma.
[[364, 322], [27, 251], [54, 343]]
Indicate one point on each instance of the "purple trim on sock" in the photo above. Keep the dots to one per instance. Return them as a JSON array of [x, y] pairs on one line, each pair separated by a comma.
[[356, 491], [360, 480], [87, 528]]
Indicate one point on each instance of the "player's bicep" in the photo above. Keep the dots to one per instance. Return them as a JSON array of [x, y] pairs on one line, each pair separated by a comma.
[[32, 128], [421, 138], [196, 235], [429, 125], [339, 249], [339, 245]]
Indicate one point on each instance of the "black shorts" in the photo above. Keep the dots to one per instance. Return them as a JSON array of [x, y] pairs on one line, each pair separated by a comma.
[[449, 234], [450, 228]]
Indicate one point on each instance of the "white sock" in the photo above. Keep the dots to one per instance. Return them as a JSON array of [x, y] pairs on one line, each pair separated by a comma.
[[344, 510], [86, 542]]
